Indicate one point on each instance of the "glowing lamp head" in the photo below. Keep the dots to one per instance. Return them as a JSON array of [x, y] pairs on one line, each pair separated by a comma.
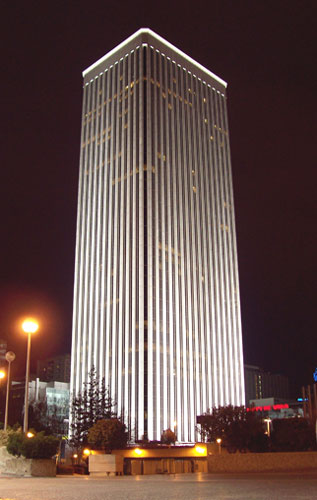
[[86, 452], [30, 325], [137, 451], [2, 374], [200, 450], [75, 455], [218, 440], [29, 434]]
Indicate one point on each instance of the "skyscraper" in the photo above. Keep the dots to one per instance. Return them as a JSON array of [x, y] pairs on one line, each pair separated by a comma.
[[156, 297]]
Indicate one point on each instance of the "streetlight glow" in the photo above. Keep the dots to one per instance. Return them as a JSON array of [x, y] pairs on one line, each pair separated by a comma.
[[200, 449], [30, 325], [2, 374]]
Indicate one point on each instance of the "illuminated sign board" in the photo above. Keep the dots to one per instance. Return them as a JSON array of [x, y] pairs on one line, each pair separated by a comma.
[[269, 407]]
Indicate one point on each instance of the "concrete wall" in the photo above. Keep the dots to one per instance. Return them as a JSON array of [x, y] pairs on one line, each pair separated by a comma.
[[20, 466], [165, 466], [103, 464], [263, 462]]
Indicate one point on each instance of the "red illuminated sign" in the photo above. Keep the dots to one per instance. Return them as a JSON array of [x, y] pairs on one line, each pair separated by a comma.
[[268, 407]]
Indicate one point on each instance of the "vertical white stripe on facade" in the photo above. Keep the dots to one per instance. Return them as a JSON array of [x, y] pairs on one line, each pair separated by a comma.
[[175, 261], [149, 112], [140, 249], [126, 295], [238, 371], [185, 416], [133, 406], [76, 343]]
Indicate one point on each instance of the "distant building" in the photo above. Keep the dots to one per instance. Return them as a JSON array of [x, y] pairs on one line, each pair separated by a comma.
[[260, 384], [54, 393], [56, 368]]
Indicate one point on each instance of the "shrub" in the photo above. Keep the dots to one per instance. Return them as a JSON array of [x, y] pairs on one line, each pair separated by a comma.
[[4, 435], [108, 434], [292, 434], [168, 437], [14, 444], [40, 446]]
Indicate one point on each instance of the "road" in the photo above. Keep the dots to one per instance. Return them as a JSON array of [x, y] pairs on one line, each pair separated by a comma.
[[273, 486]]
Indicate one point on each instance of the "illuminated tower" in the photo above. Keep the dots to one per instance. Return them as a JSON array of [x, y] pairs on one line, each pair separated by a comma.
[[156, 298]]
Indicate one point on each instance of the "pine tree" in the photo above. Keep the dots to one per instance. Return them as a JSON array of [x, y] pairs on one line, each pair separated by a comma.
[[94, 403]]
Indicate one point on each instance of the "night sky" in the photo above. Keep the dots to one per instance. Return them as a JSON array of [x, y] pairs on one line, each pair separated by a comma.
[[265, 50]]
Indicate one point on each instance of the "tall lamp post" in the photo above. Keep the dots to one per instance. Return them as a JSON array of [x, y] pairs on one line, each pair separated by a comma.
[[29, 326], [2, 375], [10, 356]]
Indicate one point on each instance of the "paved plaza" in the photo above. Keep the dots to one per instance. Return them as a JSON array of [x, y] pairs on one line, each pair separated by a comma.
[[179, 486]]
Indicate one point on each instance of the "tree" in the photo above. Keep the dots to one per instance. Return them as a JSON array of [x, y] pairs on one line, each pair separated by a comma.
[[108, 434], [44, 418], [94, 403], [237, 428], [168, 437]]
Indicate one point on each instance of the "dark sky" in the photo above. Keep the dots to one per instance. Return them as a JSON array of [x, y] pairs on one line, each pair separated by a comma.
[[265, 50]]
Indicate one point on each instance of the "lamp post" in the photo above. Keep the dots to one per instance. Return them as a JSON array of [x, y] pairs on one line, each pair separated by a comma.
[[2, 375], [29, 326], [268, 426], [219, 440], [10, 356]]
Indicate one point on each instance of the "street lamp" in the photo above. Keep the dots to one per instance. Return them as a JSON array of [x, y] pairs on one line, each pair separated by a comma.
[[29, 326], [219, 440], [268, 426], [10, 356], [2, 375]]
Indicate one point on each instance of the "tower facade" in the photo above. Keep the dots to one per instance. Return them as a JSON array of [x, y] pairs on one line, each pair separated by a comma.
[[156, 295]]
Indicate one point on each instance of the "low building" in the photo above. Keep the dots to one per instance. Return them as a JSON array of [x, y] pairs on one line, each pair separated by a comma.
[[273, 408], [55, 394], [158, 459]]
